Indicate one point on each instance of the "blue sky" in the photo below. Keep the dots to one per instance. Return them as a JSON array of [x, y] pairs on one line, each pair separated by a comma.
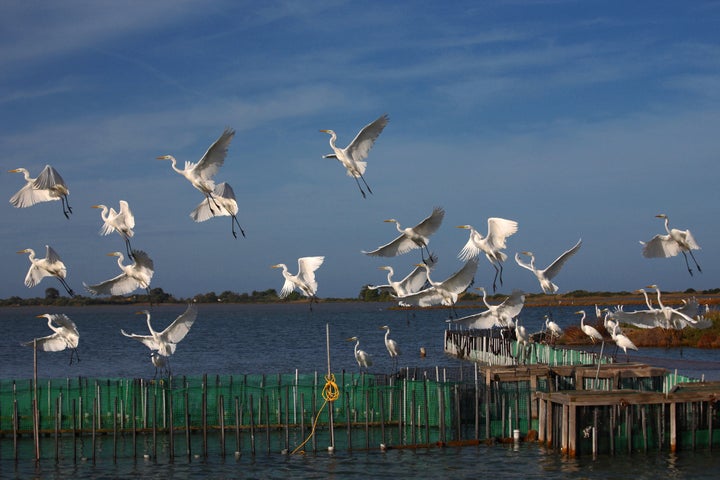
[[578, 119]]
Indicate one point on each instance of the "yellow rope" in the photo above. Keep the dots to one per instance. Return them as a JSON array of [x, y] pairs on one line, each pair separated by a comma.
[[330, 393]]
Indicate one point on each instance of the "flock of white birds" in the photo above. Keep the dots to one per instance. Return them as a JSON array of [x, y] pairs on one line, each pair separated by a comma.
[[416, 289]]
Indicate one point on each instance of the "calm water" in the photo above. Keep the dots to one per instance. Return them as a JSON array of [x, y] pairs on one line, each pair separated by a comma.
[[235, 339]]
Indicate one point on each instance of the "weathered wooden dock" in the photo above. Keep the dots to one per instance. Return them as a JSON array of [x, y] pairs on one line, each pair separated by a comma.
[[598, 407]]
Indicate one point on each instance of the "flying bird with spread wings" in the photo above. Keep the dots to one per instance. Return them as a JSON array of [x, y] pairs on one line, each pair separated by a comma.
[[500, 315], [411, 238], [491, 245], [353, 156], [546, 275], [136, 275], [50, 266], [669, 245], [65, 335], [224, 199], [304, 281], [47, 187], [122, 222]]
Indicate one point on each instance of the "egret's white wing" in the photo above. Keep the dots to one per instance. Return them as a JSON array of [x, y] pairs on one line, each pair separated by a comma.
[[430, 225], [143, 265], [459, 281], [470, 250], [416, 279], [306, 271], [177, 330], [214, 158], [51, 255], [126, 217], [64, 321], [35, 275], [555, 267], [498, 230], [399, 246], [28, 196], [108, 226], [359, 148], [513, 305], [51, 343], [660, 246], [690, 240], [146, 340], [48, 178], [481, 321], [119, 285], [640, 318], [424, 298]]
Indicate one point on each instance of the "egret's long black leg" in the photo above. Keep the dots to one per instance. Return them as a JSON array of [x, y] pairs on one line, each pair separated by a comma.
[[360, 187], [233, 221], [67, 287], [366, 185], [696, 263], [687, 264]]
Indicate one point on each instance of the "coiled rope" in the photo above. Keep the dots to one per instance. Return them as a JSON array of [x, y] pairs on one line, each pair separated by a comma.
[[330, 393]]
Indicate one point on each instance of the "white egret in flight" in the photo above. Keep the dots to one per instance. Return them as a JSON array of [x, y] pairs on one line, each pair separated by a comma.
[[391, 345], [362, 358], [546, 275], [50, 266], [165, 342], [121, 222], [304, 281], [412, 283], [411, 237], [224, 199], [65, 335], [133, 276], [445, 292], [353, 156], [500, 315], [48, 186], [491, 245], [669, 245], [201, 174]]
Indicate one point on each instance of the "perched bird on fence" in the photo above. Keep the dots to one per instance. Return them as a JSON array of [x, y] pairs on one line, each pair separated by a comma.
[[133, 276], [304, 281], [491, 245], [48, 186], [669, 245], [121, 222], [201, 174], [353, 156], [50, 266], [445, 292], [165, 342], [411, 237], [391, 345], [546, 275], [224, 199], [65, 335], [523, 338], [362, 358]]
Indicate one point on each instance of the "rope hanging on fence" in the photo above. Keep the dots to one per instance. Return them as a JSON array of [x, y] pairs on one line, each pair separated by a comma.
[[330, 393]]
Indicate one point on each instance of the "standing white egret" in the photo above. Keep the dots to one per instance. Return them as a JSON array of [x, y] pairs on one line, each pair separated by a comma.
[[50, 266], [133, 276], [47, 187], [65, 335], [522, 339], [412, 283], [362, 358], [304, 281], [491, 245], [353, 156], [554, 329], [391, 345], [224, 199], [676, 241], [674, 318], [445, 292], [165, 342], [622, 341], [589, 330], [546, 275], [201, 174], [411, 237], [121, 222]]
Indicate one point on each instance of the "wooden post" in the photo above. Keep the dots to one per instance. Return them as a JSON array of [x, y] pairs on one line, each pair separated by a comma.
[[331, 448], [542, 413], [171, 427], [549, 429], [673, 427], [572, 431], [564, 429]]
